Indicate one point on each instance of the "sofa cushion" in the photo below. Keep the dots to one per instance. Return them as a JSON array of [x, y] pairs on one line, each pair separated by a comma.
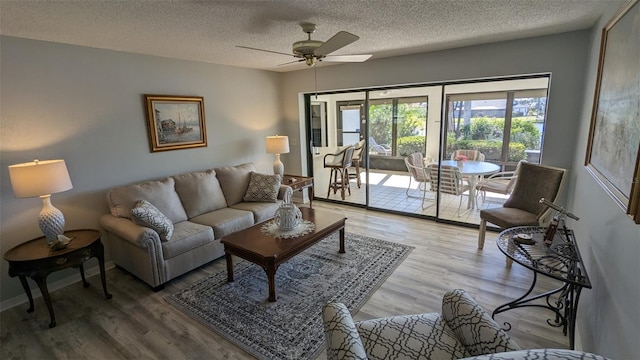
[[200, 192], [160, 193], [187, 236], [420, 336], [234, 181], [145, 214], [263, 187], [262, 211], [225, 221]]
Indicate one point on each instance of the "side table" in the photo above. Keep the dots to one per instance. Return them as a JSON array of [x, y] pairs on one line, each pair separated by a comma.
[[299, 183], [561, 261], [36, 260]]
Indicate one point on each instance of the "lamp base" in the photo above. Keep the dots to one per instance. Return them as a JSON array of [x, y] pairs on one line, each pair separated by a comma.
[[50, 220], [278, 166]]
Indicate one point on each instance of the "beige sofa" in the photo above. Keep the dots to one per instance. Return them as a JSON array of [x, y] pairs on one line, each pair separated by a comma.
[[200, 208]]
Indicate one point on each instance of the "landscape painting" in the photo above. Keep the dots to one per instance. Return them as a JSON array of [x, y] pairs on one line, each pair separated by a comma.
[[175, 122], [614, 137]]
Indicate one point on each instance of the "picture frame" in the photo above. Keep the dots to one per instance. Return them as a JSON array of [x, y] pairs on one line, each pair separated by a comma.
[[175, 122], [613, 149]]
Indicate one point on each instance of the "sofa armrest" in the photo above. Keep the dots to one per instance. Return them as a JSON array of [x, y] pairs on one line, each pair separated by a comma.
[[128, 230], [473, 326], [341, 334], [283, 190]]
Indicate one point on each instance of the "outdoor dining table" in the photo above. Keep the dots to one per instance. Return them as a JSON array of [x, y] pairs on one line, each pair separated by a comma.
[[472, 170]]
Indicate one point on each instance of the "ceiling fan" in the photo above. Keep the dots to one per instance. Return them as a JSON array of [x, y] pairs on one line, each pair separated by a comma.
[[312, 51]]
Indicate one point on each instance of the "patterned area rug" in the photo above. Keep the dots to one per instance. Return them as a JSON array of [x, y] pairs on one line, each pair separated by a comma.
[[291, 327]]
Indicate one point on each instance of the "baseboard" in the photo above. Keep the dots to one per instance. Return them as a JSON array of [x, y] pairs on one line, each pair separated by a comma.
[[22, 298]]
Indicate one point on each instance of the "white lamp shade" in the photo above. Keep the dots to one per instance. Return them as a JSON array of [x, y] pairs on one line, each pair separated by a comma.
[[277, 144], [39, 178]]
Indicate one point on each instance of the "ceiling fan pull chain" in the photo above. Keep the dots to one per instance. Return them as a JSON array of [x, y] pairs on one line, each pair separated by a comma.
[[315, 80]]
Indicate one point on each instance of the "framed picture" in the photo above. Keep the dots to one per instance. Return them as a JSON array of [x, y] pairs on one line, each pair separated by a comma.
[[614, 136], [175, 122]]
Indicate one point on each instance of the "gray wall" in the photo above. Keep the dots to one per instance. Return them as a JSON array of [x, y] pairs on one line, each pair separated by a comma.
[[608, 317], [86, 106]]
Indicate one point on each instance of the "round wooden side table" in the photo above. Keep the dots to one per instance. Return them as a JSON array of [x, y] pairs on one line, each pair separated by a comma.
[[37, 260]]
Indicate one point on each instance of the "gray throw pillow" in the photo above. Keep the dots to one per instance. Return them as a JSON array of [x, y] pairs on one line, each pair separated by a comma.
[[263, 187], [145, 214]]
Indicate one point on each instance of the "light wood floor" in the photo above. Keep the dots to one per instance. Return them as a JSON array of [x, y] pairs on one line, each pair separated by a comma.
[[138, 324]]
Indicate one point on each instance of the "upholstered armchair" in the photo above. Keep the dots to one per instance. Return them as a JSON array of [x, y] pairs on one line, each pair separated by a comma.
[[463, 329], [523, 208]]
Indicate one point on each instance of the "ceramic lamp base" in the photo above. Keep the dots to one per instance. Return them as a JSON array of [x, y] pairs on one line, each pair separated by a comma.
[[278, 166], [51, 220]]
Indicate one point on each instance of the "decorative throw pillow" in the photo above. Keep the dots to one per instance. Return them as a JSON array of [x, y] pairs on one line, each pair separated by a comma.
[[145, 214], [263, 187]]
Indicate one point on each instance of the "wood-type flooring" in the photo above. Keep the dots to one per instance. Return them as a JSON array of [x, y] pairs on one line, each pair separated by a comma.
[[138, 323]]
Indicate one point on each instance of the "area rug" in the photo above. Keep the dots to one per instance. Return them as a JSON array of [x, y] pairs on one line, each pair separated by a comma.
[[291, 327]]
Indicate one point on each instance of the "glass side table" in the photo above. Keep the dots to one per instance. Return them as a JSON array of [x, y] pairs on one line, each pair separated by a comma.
[[561, 261]]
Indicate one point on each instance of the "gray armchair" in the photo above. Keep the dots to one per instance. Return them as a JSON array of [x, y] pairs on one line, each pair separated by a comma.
[[523, 208]]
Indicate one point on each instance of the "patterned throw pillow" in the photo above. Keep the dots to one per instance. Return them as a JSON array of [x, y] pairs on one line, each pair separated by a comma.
[[263, 187], [145, 214]]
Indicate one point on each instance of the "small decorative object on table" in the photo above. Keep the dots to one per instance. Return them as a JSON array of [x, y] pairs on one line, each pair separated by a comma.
[[460, 159], [60, 243], [288, 216]]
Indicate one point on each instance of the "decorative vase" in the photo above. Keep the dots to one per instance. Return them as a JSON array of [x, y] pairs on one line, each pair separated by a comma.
[[288, 216]]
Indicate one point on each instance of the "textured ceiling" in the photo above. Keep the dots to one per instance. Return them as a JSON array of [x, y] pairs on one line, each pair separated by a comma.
[[210, 30]]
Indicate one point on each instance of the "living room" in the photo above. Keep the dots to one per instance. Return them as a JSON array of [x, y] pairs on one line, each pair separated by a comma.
[[85, 105]]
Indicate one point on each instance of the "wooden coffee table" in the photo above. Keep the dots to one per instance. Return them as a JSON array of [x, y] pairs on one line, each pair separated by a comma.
[[269, 252]]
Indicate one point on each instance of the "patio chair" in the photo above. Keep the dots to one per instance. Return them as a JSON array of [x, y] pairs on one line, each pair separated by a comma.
[[469, 154], [499, 183], [418, 173], [448, 180], [356, 159], [380, 149], [523, 208], [339, 163]]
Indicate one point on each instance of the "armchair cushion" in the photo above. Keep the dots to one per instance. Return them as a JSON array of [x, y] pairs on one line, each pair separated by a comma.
[[420, 336], [473, 326], [145, 214], [263, 187], [509, 217]]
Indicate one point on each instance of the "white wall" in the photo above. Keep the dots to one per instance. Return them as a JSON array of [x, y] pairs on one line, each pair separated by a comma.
[[608, 316], [86, 106]]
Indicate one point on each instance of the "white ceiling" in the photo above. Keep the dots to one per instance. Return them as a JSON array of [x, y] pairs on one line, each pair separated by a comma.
[[209, 31]]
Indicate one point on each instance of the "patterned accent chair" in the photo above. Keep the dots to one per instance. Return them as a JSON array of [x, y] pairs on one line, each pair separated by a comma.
[[464, 330]]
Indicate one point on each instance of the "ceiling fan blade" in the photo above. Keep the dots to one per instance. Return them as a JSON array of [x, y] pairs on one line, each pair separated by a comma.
[[291, 62], [346, 58], [275, 52], [336, 42]]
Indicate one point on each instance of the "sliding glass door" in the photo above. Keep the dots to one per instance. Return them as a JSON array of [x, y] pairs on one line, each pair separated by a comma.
[[503, 120]]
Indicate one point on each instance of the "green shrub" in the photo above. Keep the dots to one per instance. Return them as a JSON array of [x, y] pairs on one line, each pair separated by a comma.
[[410, 144], [492, 149]]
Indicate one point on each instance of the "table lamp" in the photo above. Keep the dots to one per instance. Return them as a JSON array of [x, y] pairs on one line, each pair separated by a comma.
[[278, 145], [42, 178]]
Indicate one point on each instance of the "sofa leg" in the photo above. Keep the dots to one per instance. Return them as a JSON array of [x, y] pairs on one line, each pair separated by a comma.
[[158, 288], [483, 230]]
